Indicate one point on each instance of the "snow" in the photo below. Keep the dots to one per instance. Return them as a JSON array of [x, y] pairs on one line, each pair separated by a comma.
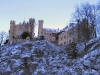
[[8, 68], [87, 63], [26, 55], [98, 60], [54, 60], [80, 47], [93, 40], [17, 63], [14, 51], [70, 27], [20, 72], [48, 29]]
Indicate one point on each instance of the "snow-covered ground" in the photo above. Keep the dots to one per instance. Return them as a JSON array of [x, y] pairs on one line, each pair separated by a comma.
[[45, 58]]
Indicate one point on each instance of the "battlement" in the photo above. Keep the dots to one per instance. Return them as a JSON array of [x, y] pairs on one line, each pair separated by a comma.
[[16, 30], [72, 33]]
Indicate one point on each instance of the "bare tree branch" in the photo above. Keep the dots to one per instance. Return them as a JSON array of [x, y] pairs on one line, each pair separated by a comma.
[[89, 12], [3, 37]]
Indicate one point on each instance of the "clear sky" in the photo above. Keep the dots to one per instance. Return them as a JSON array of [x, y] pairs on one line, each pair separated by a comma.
[[55, 13]]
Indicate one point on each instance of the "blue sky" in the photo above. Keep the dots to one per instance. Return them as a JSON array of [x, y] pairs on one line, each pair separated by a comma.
[[55, 13]]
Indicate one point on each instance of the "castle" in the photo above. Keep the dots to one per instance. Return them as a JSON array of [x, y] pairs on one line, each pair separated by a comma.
[[69, 34], [46, 33], [16, 30], [73, 33]]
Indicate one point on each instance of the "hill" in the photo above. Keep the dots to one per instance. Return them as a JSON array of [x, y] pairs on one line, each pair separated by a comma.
[[45, 58]]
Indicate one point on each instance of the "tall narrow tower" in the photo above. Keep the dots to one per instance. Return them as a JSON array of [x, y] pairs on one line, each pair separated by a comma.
[[31, 27], [11, 32], [40, 27]]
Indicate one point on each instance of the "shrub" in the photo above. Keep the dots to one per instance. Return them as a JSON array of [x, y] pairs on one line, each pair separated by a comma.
[[25, 35], [72, 50]]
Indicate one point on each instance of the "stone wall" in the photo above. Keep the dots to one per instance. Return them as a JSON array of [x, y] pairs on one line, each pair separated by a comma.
[[16, 30]]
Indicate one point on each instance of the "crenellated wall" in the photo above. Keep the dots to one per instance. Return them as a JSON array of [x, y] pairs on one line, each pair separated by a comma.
[[16, 30]]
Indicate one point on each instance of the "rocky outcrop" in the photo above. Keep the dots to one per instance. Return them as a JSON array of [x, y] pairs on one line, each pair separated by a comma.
[[45, 58]]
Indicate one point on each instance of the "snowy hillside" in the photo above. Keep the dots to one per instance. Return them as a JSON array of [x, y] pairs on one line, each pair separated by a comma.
[[44, 58]]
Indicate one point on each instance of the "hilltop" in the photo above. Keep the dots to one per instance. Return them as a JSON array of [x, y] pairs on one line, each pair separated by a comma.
[[45, 58]]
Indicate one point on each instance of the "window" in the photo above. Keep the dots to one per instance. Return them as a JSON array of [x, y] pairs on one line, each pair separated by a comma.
[[64, 37], [69, 41], [50, 34], [20, 31], [61, 38], [64, 43], [71, 33], [53, 34], [73, 39]]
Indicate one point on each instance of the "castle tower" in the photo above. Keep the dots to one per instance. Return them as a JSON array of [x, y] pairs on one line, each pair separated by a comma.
[[12, 30], [31, 21], [32, 25], [40, 27]]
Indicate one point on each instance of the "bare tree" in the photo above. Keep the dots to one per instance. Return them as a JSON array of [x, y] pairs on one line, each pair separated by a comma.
[[98, 17], [3, 37], [88, 12]]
